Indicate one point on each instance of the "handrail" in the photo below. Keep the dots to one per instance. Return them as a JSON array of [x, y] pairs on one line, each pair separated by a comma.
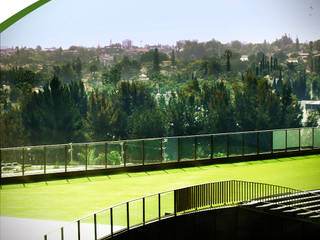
[[205, 195], [157, 138]]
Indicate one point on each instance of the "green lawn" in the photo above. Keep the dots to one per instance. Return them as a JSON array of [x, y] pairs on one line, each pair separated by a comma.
[[70, 199]]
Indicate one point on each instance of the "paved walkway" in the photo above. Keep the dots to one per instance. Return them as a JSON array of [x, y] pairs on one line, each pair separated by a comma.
[[34, 229]]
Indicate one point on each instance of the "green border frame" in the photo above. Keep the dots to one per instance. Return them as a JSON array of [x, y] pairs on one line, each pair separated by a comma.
[[11, 20]]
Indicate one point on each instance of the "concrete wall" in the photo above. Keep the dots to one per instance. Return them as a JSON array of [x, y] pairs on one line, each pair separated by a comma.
[[226, 223]]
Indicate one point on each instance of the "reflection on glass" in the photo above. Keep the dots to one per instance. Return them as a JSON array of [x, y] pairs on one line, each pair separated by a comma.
[[33, 160], [152, 151], [133, 153], [235, 147], [292, 139], [279, 138], [11, 162], [203, 147], [55, 159], [170, 149], [187, 145], [306, 138], [96, 156]]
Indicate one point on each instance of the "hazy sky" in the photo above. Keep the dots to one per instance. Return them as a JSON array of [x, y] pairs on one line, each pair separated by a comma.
[[92, 22]]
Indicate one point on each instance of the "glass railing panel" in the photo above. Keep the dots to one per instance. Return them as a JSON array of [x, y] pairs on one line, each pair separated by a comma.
[[265, 142], [11, 162], [96, 156], [152, 151], [133, 153], [219, 146], [114, 154], [135, 212], [316, 137], [33, 160], [55, 159], [77, 157], [170, 149], [306, 138], [279, 140], [151, 208], [292, 139], [187, 148], [70, 231], [235, 147], [167, 204], [119, 216], [87, 228], [203, 147], [103, 224], [250, 143]]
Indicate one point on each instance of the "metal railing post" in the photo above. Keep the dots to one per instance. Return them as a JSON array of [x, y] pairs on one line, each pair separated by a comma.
[[95, 226], [23, 159], [124, 154], [299, 139], [228, 145], [312, 138], [86, 149], [211, 147], [195, 147], [286, 140], [62, 235], [178, 149], [65, 157], [111, 222], [79, 233], [128, 215], [159, 204], [258, 142], [44, 160], [143, 211], [106, 155], [142, 151], [242, 144], [161, 151]]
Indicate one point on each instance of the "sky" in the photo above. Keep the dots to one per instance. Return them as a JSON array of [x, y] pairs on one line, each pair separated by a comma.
[[63, 23]]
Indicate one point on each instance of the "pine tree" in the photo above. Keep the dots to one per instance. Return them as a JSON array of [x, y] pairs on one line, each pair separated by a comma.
[[156, 62], [228, 55]]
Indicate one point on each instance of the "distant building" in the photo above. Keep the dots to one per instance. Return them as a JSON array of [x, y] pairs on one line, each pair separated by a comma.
[[105, 59], [244, 58], [309, 106], [127, 43], [292, 60]]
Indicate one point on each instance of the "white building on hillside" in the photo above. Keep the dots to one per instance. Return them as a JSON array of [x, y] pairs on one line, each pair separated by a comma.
[[309, 106]]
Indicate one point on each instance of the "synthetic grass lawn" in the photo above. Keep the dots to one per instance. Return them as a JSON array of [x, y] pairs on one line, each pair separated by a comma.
[[70, 199]]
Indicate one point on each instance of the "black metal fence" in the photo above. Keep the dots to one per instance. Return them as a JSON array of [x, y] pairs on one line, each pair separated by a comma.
[[138, 212], [83, 157]]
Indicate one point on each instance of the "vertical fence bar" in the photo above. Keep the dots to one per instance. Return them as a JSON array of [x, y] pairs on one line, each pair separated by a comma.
[[111, 222], [86, 150], [23, 159], [95, 226], [44, 160], [128, 215], [175, 202], [159, 204], [65, 157], [106, 155], [142, 151], [45, 237], [143, 211], [78, 229], [62, 235]]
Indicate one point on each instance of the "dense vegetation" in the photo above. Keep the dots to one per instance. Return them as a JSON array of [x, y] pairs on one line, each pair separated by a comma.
[[73, 96]]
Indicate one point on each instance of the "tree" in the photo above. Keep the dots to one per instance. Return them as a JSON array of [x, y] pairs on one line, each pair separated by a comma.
[[156, 62], [113, 75], [52, 116], [173, 58], [228, 55]]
